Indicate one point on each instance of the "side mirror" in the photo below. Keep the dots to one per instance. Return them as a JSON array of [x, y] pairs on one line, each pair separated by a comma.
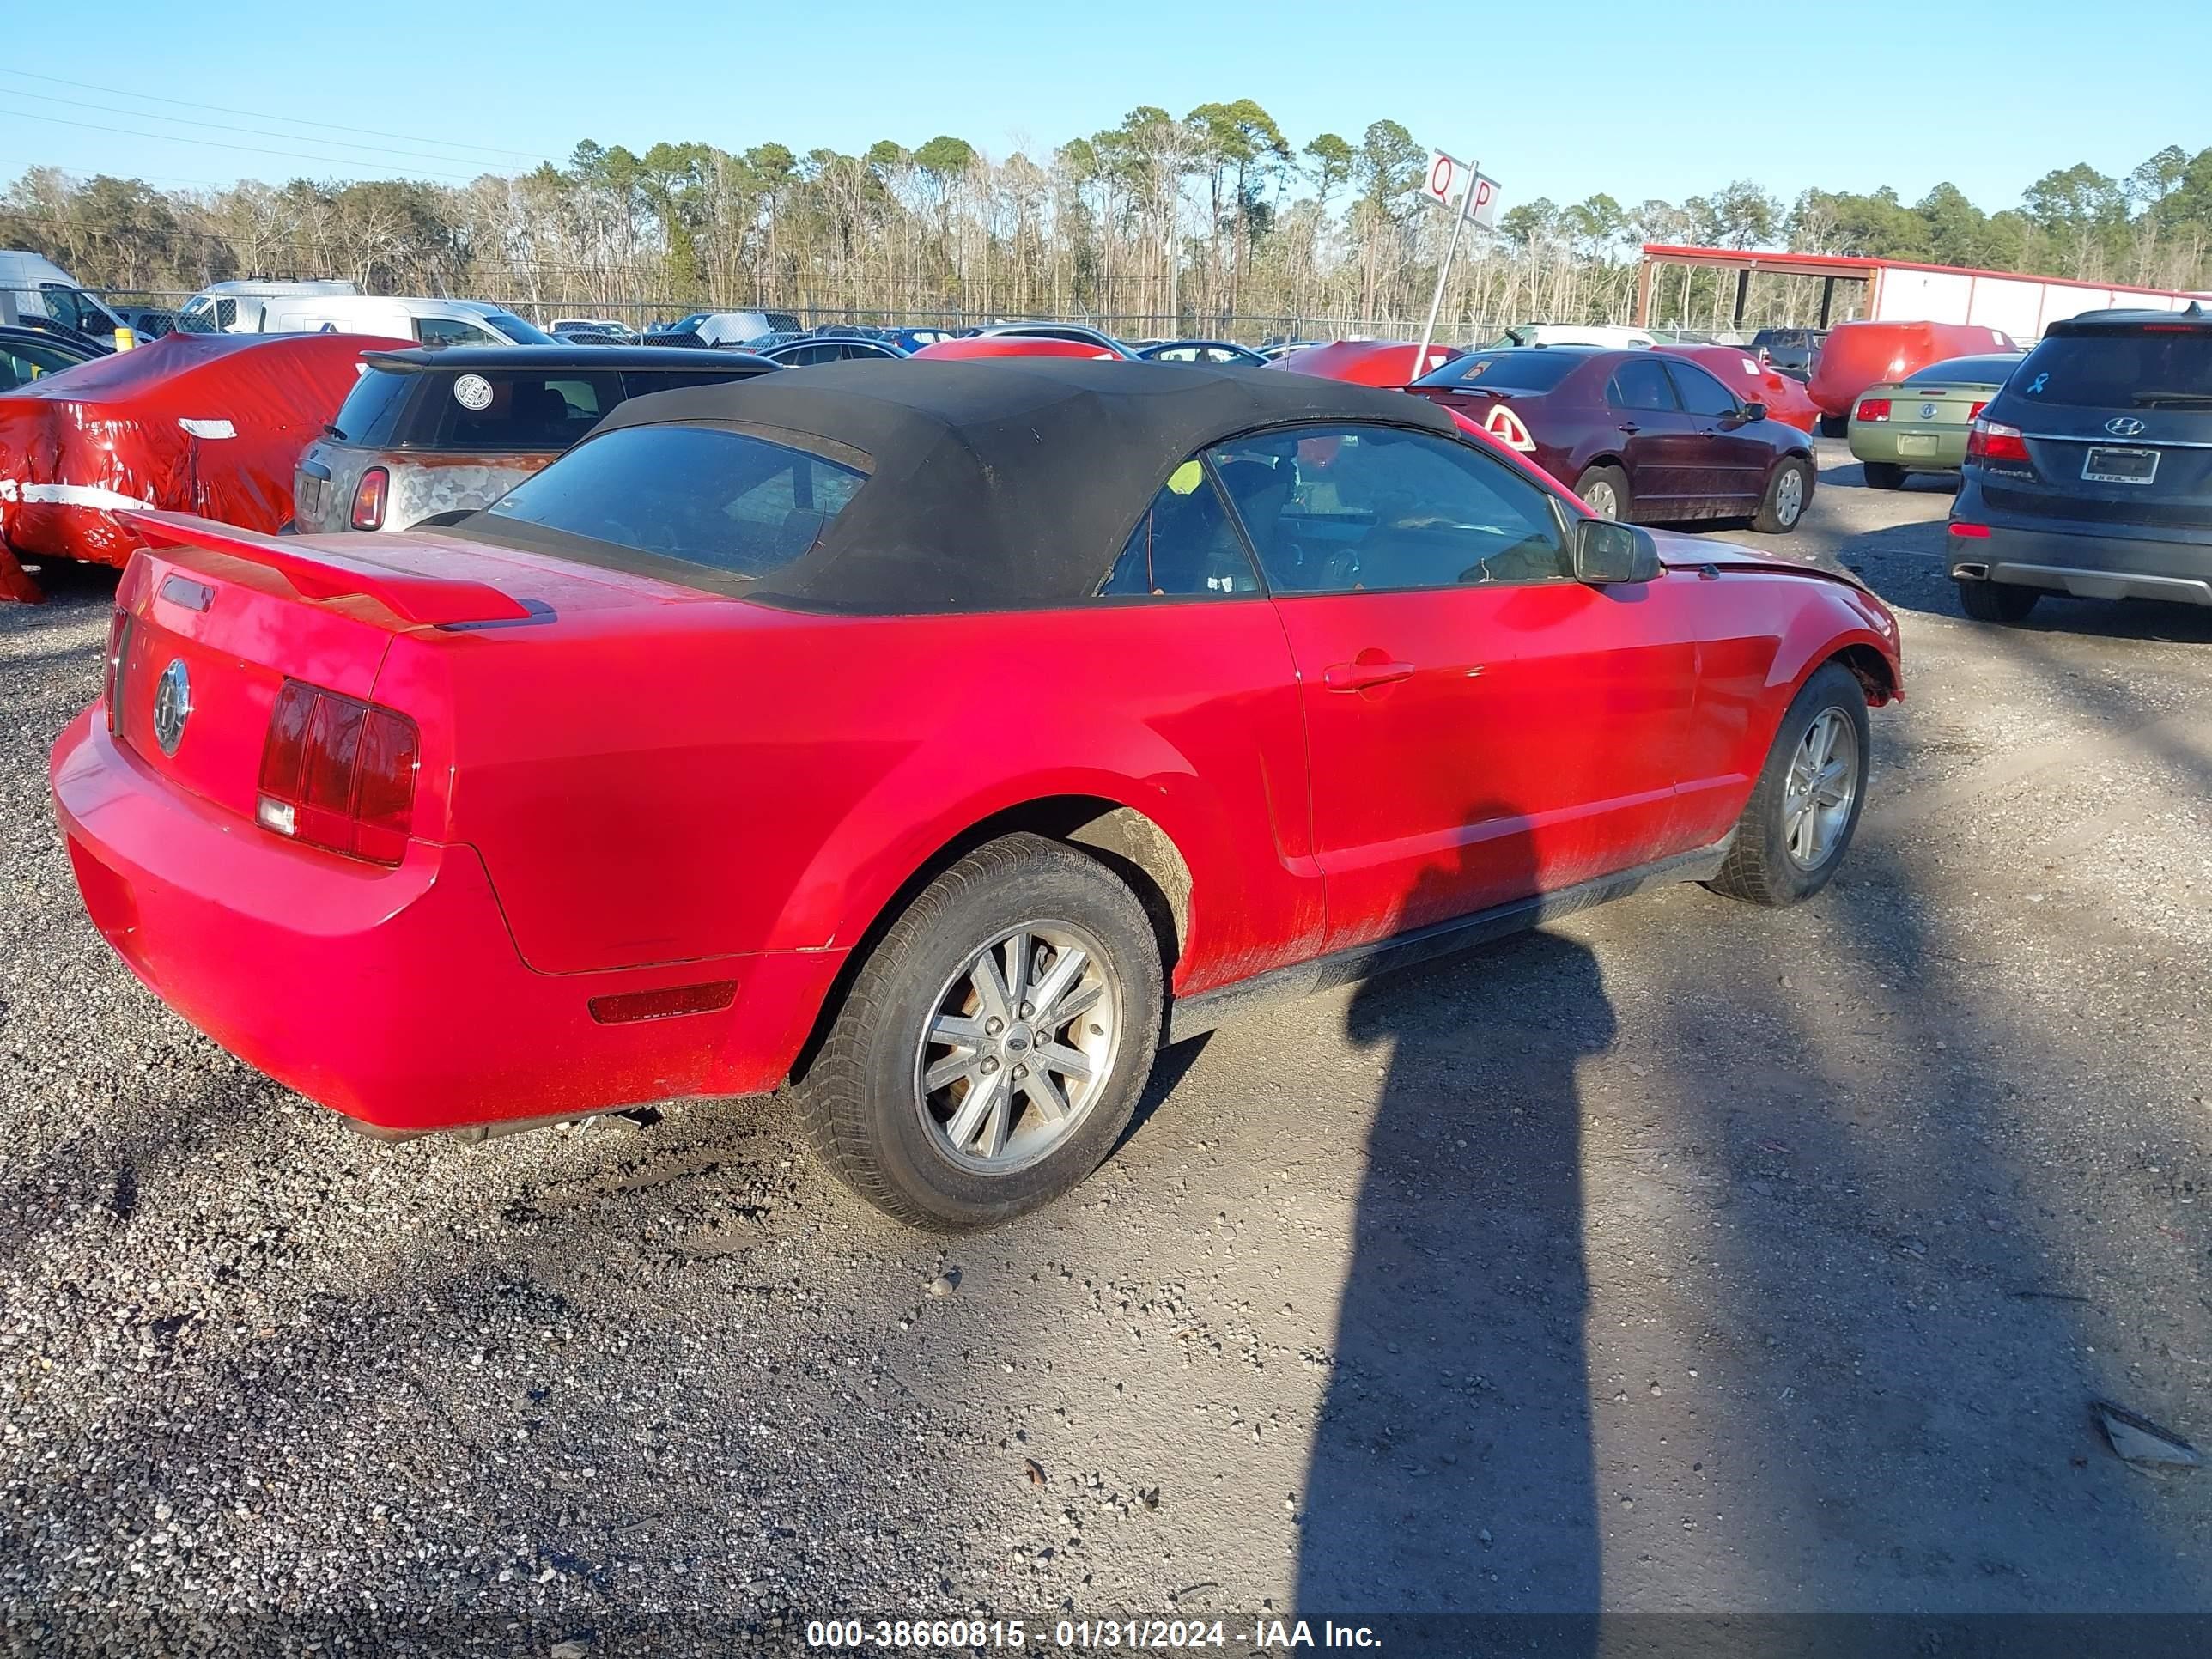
[[1753, 412], [1606, 552]]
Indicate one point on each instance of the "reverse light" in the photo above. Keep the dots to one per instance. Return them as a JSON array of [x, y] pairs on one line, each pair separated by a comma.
[[368, 498], [338, 773], [1503, 424], [1873, 409], [1993, 441]]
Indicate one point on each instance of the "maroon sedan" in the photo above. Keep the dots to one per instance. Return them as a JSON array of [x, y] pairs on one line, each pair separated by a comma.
[[1636, 434]]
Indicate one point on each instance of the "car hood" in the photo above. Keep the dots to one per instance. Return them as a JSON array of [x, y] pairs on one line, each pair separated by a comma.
[[1682, 551]]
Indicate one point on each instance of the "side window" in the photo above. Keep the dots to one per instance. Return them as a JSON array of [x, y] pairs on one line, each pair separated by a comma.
[[1640, 383], [73, 309], [1342, 509], [451, 330], [1701, 393], [1184, 547]]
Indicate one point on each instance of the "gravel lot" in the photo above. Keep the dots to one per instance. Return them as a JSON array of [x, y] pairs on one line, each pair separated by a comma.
[[1683, 1257]]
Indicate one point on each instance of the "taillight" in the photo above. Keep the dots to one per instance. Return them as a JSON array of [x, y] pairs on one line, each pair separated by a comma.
[[338, 773], [1873, 409], [1975, 413], [368, 498], [1973, 532], [1503, 424], [1993, 441]]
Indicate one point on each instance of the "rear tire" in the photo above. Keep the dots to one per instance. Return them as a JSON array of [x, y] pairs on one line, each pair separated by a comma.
[[1005, 1128], [1604, 490], [1884, 475], [1834, 425], [1997, 602], [1789, 495], [1781, 856]]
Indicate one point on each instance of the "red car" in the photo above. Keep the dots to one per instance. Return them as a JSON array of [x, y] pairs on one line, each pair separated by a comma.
[[1367, 362], [1856, 356], [1638, 434], [1753, 381], [1014, 346], [933, 745]]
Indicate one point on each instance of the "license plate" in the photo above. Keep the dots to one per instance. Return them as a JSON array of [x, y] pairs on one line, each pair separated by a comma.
[[2128, 466], [1916, 443]]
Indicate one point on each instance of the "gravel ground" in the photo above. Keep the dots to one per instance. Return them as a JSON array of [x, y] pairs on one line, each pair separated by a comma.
[[1683, 1257]]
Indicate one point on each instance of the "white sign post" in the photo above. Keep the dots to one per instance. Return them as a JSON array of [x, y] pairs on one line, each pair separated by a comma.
[[1477, 199]]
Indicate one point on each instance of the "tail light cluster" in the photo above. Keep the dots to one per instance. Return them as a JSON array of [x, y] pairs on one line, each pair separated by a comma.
[[1993, 442], [338, 773], [369, 497], [1873, 409], [1503, 424]]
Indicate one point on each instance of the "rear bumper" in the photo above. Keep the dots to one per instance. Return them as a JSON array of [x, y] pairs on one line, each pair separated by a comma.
[[394, 996], [1942, 450], [2089, 562]]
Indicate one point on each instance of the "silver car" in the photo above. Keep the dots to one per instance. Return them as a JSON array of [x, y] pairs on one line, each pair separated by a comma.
[[428, 432]]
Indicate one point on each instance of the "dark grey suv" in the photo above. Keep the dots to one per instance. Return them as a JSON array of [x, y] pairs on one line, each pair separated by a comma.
[[2091, 472]]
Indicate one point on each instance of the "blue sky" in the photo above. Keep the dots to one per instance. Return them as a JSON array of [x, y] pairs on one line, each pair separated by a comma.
[[1637, 100]]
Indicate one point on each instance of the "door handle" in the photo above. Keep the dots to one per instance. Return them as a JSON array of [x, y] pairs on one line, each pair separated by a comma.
[[1361, 676], [1630, 426]]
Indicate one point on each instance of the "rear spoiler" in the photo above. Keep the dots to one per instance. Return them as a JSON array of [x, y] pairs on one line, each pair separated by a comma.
[[317, 573]]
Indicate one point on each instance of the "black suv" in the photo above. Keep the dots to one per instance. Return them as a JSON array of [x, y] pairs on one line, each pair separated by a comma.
[[2091, 472]]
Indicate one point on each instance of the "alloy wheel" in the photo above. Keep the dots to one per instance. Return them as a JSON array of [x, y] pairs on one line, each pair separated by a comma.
[[1600, 496], [1822, 784], [1020, 1044]]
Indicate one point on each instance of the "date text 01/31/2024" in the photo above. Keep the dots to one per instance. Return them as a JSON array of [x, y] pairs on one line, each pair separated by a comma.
[[1089, 1635]]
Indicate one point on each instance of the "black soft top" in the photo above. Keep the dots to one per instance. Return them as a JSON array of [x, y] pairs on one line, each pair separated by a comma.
[[998, 484]]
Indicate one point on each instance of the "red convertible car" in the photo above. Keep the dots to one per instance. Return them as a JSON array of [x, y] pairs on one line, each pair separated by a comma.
[[931, 744]]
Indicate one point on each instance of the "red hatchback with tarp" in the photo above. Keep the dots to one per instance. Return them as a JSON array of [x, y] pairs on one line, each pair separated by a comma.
[[204, 423]]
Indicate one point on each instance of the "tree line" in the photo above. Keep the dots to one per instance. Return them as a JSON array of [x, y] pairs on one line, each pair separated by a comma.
[[1213, 222]]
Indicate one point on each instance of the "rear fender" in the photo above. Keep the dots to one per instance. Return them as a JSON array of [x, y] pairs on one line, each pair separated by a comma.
[[874, 852]]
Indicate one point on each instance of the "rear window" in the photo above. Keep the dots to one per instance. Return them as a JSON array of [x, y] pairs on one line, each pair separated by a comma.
[[1531, 370], [2118, 371], [494, 408], [669, 500], [1966, 371], [370, 414], [784, 323]]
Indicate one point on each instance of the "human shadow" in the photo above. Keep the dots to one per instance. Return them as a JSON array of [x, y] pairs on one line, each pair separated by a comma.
[[1452, 1467]]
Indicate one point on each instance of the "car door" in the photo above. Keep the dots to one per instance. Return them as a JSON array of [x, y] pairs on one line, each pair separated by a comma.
[[1654, 437], [1479, 726], [1731, 457]]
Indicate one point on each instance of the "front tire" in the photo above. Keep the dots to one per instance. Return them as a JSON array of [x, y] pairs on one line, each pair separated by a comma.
[[1997, 602], [1884, 475], [1789, 493], [1805, 806], [993, 1045]]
